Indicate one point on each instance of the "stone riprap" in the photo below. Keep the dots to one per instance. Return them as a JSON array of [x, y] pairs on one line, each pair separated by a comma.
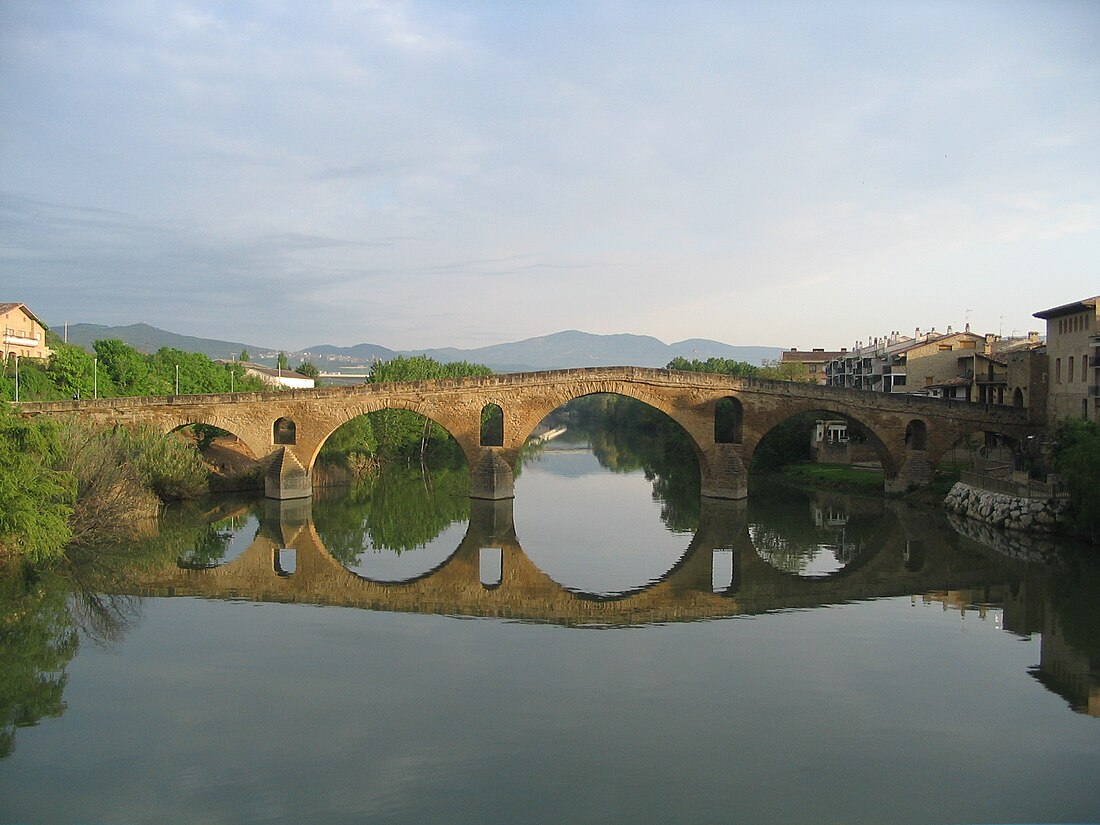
[[1040, 515]]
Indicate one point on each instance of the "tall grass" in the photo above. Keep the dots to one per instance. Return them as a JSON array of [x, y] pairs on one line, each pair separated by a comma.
[[122, 475]]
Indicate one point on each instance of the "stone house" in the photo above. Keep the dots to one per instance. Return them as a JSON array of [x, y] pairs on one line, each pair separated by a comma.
[[1073, 360], [23, 334]]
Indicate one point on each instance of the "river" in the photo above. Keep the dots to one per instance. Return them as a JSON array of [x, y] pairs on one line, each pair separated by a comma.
[[606, 648]]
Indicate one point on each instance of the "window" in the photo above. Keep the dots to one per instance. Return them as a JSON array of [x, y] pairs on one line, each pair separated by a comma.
[[283, 431], [1057, 370], [492, 426], [491, 566], [1069, 372], [727, 421], [1084, 368]]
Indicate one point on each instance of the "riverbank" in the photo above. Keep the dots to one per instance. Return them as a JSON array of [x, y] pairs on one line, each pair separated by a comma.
[[1039, 515]]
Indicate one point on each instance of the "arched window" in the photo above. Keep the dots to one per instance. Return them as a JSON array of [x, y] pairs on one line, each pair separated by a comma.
[[1018, 398], [916, 435], [491, 567], [492, 426], [283, 431], [727, 421], [285, 561]]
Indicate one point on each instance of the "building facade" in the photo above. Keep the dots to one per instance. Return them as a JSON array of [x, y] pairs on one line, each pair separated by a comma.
[[1073, 368], [23, 334]]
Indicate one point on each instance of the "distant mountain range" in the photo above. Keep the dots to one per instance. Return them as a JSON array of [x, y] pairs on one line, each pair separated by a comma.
[[561, 350]]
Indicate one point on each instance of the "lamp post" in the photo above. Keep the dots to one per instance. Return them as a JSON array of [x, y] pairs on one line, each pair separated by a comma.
[[17, 378], [177, 379], [95, 378]]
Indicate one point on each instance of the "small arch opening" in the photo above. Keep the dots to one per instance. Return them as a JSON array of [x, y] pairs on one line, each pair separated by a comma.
[[1017, 398], [491, 566], [721, 570], [728, 416], [285, 561], [283, 431], [492, 426], [916, 435]]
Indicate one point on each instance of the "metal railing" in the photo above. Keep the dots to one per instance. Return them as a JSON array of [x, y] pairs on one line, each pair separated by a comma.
[[1012, 487]]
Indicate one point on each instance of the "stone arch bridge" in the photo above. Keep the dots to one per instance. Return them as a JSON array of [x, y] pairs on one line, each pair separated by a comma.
[[726, 418]]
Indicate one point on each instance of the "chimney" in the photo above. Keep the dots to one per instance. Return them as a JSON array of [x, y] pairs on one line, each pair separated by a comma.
[[1033, 337], [949, 329], [794, 349]]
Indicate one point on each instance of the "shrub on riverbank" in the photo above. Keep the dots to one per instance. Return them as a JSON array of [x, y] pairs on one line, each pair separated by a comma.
[[122, 476], [1077, 459], [74, 483], [36, 499]]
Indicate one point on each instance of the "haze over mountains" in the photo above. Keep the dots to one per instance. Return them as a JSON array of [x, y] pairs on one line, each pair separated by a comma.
[[561, 350]]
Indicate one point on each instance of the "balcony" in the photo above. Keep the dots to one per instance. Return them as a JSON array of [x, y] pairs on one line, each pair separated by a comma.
[[21, 340]]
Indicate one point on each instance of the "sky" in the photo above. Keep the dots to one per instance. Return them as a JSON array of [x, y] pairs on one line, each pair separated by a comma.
[[429, 174]]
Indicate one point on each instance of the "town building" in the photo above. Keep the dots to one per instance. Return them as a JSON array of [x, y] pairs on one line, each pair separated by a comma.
[[960, 365], [1073, 360], [815, 361], [278, 377], [24, 336]]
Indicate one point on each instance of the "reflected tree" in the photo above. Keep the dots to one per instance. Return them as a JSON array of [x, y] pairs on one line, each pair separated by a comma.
[[37, 640], [398, 510]]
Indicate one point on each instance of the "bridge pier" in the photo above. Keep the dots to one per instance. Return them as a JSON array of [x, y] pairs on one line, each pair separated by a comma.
[[725, 474], [285, 477], [491, 476]]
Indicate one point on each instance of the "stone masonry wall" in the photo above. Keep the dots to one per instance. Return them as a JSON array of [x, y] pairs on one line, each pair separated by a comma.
[[1011, 513]]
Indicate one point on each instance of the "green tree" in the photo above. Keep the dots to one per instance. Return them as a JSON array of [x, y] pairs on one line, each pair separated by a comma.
[[198, 374], [244, 356], [128, 369], [34, 381], [71, 371], [35, 500], [37, 641], [1077, 457], [308, 369], [721, 366], [282, 362], [787, 371]]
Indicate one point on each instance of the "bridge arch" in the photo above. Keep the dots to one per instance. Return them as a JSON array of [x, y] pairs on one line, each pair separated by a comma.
[[433, 414], [877, 440]]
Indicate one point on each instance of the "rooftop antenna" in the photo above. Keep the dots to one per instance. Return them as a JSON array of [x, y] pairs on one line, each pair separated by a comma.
[[1001, 328]]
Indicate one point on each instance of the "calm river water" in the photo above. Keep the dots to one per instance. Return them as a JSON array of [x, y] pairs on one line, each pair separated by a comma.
[[604, 649]]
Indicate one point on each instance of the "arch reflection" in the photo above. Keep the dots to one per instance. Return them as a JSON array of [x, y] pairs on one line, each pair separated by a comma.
[[719, 573]]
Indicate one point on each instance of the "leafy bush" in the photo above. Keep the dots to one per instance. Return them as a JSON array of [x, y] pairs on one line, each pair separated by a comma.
[[1077, 458], [36, 500]]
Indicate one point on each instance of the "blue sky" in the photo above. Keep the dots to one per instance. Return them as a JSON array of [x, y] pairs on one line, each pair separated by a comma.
[[431, 174]]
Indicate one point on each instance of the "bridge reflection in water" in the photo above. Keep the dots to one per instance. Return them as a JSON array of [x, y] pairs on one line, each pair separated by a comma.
[[288, 561], [908, 553]]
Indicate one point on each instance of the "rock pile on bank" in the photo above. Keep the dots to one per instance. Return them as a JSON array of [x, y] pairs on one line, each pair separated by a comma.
[[1040, 515]]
